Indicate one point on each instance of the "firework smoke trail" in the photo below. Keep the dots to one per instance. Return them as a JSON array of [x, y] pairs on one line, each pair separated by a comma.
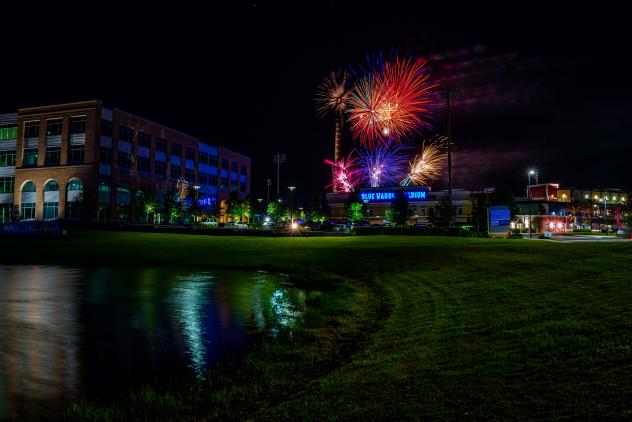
[[346, 173], [383, 165], [391, 101], [427, 165]]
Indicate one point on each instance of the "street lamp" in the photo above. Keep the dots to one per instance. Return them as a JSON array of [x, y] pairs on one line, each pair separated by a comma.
[[529, 174], [605, 211], [292, 225], [197, 190]]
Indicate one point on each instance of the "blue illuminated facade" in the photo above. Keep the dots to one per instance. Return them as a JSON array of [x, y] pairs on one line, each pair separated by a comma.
[[389, 195]]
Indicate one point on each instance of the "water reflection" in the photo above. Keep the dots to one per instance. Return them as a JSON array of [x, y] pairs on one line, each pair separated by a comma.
[[66, 334]]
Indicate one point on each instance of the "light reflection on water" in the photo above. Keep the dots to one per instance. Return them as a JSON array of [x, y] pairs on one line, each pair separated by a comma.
[[66, 334]]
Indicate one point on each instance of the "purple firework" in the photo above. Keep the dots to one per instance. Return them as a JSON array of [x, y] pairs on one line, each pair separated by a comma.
[[383, 165]]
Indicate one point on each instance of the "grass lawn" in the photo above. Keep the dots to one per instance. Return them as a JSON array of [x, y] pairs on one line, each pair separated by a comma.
[[409, 327]]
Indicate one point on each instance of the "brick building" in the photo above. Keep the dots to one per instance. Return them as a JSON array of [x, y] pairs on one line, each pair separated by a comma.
[[85, 161]]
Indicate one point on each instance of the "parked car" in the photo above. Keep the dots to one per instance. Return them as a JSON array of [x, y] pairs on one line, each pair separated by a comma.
[[342, 228], [211, 222], [235, 226], [361, 223]]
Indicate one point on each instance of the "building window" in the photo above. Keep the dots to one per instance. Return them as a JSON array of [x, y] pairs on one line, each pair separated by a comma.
[[30, 157], [6, 184], [175, 171], [161, 145], [212, 180], [76, 154], [224, 163], [459, 211], [29, 187], [213, 160], [244, 170], [176, 149], [8, 131], [27, 211], [31, 130], [224, 184], [53, 127], [5, 212], [242, 187], [50, 210], [77, 125], [106, 128], [104, 193], [423, 211], [7, 158], [188, 175], [234, 186], [234, 167], [142, 164], [144, 139], [105, 156], [53, 155], [126, 134], [160, 168], [203, 158], [125, 160], [189, 153], [202, 178]]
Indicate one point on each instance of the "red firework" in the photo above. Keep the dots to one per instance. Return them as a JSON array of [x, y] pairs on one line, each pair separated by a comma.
[[391, 102], [347, 175]]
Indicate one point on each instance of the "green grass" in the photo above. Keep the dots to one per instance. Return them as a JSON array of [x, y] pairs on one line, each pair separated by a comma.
[[407, 328]]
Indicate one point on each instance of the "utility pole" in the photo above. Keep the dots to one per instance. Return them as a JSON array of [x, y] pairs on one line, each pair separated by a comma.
[[279, 159], [448, 95], [268, 184]]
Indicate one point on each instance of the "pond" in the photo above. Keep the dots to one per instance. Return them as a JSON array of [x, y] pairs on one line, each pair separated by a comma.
[[70, 333]]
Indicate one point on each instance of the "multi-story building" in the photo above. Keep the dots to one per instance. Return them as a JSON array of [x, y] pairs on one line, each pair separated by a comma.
[[85, 161], [565, 209], [425, 204]]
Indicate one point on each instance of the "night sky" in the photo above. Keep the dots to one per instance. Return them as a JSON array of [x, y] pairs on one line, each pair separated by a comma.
[[536, 86]]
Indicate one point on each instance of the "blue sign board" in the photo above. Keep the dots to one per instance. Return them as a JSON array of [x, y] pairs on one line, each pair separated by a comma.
[[390, 195], [499, 219]]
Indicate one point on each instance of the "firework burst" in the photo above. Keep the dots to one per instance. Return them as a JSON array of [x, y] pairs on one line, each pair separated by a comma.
[[332, 93], [346, 173], [391, 101], [383, 165], [427, 165]]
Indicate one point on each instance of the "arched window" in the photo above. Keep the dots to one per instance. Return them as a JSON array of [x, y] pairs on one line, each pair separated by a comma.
[[75, 184], [27, 201], [74, 197], [51, 200], [51, 186], [28, 187]]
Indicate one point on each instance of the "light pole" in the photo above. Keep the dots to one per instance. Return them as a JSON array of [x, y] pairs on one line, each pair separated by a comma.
[[605, 212], [291, 188], [195, 206], [530, 172]]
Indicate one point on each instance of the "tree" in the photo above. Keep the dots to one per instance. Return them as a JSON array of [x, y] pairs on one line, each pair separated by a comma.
[[146, 202], [501, 195], [318, 210], [355, 211], [172, 205], [274, 211], [399, 212], [192, 202], [354, 207], [236, 207]]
